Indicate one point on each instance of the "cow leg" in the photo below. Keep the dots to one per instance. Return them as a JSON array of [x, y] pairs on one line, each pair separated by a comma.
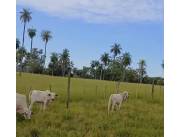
[[119, 106], [113, 105], [44, 107], [41, 106]]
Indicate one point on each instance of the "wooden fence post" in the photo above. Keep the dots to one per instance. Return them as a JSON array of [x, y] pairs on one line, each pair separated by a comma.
[[117, 86], [68, 89], [50, 87], [105, 91], [153, 89]]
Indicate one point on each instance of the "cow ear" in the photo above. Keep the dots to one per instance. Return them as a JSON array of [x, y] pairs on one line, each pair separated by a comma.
[[56, 95]]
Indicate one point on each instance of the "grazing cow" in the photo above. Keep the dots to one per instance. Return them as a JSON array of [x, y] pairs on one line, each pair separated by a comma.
[[43, 97], [21, 106], [116, 99]]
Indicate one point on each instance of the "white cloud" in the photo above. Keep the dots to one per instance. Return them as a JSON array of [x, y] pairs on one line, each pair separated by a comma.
[[100, 11]]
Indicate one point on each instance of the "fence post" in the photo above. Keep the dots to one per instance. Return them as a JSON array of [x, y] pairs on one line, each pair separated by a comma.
[[117, 86], [68, 88], [137, 90], [105, 91], [153, 89], [50, 87]]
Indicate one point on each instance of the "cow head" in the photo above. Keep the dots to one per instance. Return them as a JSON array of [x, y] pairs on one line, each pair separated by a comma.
[[27, 114], [51, 96], [125, 95]]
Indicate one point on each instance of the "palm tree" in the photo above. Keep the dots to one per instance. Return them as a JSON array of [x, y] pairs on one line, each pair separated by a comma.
[[126, 61], [93, 65], [17, 43], [20, 56], [105, 60], [142, 69], [53, 62], [31, 34], [116, 49], [25, 17], [64, 60], [46, 36], [96, 63]]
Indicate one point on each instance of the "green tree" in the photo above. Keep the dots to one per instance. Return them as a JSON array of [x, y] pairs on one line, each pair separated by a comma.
[[141, 69], [53, 65], [31, 34], [105, 61], [131, 75], [64, 60], [93, 65], [20, 57], [25, 17], [116, 69], [96, 63], [126, 61], [116, 49], [46, 36], [34, 61], [17, 43]]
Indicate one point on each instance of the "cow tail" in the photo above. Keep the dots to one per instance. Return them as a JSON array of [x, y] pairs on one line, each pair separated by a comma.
[[109, 104]]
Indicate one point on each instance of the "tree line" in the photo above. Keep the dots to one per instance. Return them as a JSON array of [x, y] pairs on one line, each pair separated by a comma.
[[114, 66]]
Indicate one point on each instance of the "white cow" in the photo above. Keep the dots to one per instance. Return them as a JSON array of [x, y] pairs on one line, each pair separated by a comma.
[[116, 99], [43, 97], [21, 106]]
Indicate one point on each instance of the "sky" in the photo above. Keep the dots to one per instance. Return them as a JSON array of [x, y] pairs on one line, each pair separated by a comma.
[[88, 28]]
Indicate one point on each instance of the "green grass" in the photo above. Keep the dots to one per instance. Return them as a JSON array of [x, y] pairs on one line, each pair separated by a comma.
[[140, 116]]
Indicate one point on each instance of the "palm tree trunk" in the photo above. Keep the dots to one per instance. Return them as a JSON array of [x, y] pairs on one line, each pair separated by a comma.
[[63, 70], [52, 72], [101, 74], [31, 44], [95, 73], [23, 33], [45, 50], [124, 73], [140, 78], [104, 74], [45, 53]]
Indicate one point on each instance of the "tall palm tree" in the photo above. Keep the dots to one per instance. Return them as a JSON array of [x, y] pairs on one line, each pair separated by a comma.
[[64, 60], [25, 17], [94, 66], [46, 36], [53, 62], [96, 63], [20, 55], [116, 49], [126, 61], [105, 60], [142, 69], [17, 43], [31, 34]]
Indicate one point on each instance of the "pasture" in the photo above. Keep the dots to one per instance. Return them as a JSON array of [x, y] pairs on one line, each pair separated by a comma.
[[140, 116]]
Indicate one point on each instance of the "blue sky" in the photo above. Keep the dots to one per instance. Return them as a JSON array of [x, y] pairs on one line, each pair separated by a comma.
[[89, 35]]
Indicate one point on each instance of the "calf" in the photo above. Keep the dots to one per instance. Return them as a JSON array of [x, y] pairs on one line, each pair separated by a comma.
[[21, 106], [116, 99], [43, 97]]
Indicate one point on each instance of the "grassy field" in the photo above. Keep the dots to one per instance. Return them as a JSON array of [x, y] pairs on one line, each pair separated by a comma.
[[140, 116]]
